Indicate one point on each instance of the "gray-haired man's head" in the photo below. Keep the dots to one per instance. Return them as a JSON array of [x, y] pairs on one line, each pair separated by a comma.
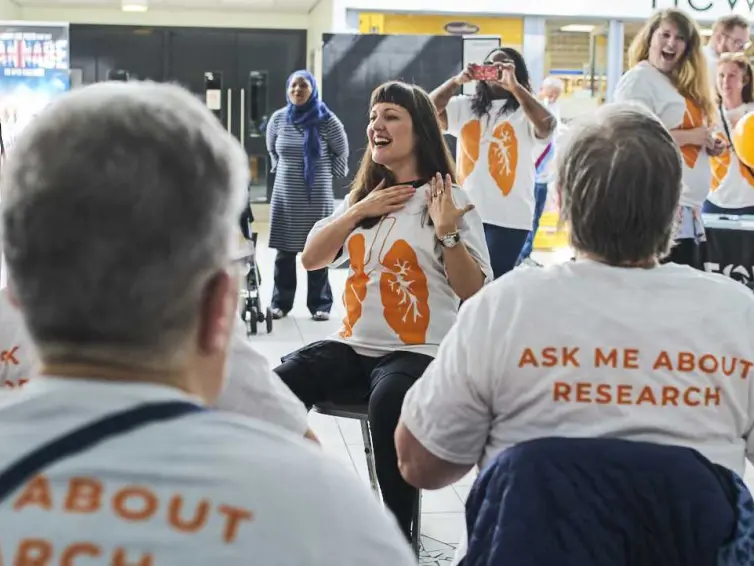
[[121, 205], [619, 175]]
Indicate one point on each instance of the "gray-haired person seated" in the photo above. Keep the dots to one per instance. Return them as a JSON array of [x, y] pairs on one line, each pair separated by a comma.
[[121, 210], [612, 345]]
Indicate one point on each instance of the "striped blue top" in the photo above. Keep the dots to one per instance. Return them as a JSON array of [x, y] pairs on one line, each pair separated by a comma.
[[293, 208]]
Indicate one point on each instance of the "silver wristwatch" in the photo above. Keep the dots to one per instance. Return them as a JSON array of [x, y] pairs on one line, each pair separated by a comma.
[[450, 240]]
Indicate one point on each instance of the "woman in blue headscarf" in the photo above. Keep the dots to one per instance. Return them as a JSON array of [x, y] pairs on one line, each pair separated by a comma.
[[308, 147]]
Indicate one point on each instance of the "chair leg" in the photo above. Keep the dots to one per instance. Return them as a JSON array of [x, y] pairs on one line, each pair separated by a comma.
[[369, 451], [416, 530]]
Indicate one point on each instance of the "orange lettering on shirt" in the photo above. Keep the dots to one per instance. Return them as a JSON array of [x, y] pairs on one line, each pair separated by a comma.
[[609, 359], [583, 392], [630, 358], [712, 396], [646, 397], [470, 140], [693, 118], [561, 392], [68, 558], [120, 559], [528, 359], [503, 157], [84, 495], [33, 552], [234, 516], [405, 294], [355, 291], [663, 362], [670, 396], [686, 362], [192, 525], [135, 503], [709, 364], [36, 492]]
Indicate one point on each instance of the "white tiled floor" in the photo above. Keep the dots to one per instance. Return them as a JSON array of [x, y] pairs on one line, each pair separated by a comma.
[[442, 511]]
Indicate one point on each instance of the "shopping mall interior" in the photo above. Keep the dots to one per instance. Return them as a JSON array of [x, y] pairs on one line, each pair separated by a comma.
[[239, 68]]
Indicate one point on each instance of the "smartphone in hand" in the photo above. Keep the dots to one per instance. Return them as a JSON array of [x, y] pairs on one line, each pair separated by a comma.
[[486, 72]]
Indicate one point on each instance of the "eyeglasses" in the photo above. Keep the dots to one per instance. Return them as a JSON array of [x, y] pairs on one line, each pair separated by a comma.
[[737, 43]]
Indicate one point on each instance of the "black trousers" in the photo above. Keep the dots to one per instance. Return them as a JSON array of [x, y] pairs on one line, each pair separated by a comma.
[[688, 252], [318, 291], [333, 371]]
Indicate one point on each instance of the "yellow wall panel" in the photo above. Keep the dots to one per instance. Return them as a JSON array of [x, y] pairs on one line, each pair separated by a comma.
[[510, 30]]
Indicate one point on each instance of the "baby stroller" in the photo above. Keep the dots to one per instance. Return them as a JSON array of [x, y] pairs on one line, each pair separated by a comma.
[[251, 305]]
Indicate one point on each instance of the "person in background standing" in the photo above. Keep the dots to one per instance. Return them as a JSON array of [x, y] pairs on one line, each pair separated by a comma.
[[308, 147], [730, 34], [501, 130], [732, 190], [668, 75], [552, 88]]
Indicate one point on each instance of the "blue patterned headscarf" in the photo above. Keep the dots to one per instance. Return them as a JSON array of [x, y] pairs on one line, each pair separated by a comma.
[[308, 117]]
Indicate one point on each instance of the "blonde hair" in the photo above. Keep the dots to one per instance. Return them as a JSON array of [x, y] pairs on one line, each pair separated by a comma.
[[691, 79], [741, 61]]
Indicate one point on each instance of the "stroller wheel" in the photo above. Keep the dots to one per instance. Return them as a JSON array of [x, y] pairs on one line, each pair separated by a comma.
[[253, 320], [268, 319]]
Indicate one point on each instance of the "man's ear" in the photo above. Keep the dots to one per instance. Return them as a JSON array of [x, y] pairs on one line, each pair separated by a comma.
[[219, 301]]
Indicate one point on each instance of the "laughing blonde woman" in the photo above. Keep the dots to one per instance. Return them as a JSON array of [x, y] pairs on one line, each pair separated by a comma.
[[668, 74]]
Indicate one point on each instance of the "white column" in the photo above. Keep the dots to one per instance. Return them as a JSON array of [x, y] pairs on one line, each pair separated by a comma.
[[615, 37], [535, 38]]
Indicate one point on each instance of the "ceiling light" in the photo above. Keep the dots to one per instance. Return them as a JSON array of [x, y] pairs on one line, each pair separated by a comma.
[[705, 32], [134, 6], [578, 28]]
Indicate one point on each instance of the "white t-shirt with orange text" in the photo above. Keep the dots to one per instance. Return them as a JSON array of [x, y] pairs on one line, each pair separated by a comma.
[[17, 353], [495, 158], [207, 488], [397, 295], [250, 388], [732, 181], [646, 85], [582, 349]]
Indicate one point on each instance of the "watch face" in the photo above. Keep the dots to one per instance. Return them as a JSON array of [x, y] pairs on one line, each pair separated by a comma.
[[450, 241]]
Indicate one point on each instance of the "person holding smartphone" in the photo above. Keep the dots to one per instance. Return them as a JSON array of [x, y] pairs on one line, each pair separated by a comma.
[[501, 130]]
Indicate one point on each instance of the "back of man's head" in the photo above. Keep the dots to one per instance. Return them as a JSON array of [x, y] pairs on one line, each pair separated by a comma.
[[120, 202]]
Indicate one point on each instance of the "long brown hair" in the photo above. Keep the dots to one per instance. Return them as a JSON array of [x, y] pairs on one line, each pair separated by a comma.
[[691, 79], [742, 62], [432, 154]]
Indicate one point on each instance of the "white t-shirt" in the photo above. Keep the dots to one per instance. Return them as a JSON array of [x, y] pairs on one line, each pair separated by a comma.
[[495, 158], [397, 295], [17, 353], [647, 85], [208, 488], [732, 183], [251, 388], [662, 355]]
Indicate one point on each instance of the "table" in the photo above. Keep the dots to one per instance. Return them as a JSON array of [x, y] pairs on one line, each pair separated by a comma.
[[730, 246]]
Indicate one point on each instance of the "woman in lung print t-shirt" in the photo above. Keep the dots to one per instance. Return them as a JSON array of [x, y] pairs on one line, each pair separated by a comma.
[[668, 75], [501, 130], [416, 249]]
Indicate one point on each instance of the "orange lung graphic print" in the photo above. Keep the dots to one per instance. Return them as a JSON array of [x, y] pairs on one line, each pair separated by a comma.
[[503, 157], [356, 284], [719, 166], [691, 119], [405, 294], [470, 140], [746, 174]]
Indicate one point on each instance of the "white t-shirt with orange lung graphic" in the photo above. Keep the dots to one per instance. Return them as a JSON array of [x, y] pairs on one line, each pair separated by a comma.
[[202, 489], [17, 354], [397, 295], [661, 355], [732, 181], [496, 157], [646, 85]]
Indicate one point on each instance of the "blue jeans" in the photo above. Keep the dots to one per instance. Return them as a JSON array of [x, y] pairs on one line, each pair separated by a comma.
[[504, 245], [540, 198], [714, 209]]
